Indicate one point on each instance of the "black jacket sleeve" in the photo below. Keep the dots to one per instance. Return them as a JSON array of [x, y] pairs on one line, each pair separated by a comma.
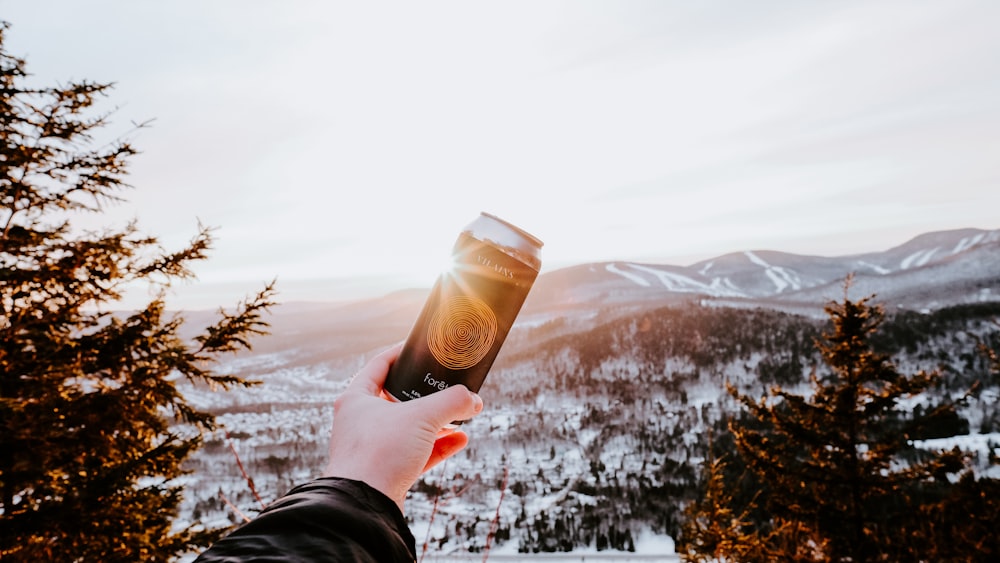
[[328, 519]]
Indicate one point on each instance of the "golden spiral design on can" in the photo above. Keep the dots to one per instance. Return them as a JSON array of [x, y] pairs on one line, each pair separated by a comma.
[[461, 332]]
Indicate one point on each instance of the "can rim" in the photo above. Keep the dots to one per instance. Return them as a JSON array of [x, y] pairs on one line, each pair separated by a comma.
[[531, 238]]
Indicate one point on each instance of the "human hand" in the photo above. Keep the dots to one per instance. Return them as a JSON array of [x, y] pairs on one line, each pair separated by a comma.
[[388, 445]]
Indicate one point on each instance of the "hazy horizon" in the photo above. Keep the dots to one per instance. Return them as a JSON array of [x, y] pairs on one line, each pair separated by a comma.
[[196, 295]]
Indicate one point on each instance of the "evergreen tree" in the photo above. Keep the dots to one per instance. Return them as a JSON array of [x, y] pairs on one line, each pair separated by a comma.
[[993, 359], [830, 462], [713, 530], [963, 525], [93, 430], [721, 524]]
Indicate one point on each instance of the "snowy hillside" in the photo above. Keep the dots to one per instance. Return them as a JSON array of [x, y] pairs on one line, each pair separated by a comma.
[[600, 407]]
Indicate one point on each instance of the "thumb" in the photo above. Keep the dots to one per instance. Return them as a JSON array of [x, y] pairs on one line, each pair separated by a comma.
[[445, 407]]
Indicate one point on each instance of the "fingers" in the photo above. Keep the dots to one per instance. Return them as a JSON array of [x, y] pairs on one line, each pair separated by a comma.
[[444, 407], [446, 447], [370, 379]]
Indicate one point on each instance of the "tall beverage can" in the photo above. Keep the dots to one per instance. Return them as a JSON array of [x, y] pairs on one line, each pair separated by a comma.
[[469, 311]]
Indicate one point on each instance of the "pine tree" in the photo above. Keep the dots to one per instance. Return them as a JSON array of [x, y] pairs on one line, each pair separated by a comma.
[[713, 530], [722, 524], [830, 462], [93, 430], [963, 525]]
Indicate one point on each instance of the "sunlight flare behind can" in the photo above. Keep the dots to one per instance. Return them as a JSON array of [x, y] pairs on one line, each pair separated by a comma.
[[469, 312]]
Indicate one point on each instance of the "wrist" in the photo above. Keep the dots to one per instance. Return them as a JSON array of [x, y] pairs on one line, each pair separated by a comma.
[[351, 472]]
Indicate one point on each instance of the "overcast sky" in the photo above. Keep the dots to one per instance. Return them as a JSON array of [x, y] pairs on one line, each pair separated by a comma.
[[333, 141]]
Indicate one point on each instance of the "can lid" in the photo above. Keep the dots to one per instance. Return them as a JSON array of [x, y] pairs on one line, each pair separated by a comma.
[[511, 239]]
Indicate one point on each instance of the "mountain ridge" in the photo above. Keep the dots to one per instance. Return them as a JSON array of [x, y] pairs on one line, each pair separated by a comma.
[[950, 267], [930, 271]]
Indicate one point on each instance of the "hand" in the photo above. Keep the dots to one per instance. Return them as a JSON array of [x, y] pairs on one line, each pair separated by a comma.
[[388, 445]]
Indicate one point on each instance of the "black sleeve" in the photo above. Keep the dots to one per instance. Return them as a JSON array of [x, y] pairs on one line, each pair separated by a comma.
[[328, 519]]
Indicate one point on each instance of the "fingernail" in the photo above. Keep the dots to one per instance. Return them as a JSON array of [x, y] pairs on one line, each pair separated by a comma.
[[478, 402]]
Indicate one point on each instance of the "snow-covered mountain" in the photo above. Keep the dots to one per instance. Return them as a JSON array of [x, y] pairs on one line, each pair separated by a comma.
[[930, 271]]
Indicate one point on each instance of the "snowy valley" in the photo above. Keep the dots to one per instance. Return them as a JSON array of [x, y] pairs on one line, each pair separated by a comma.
[[609, 393]]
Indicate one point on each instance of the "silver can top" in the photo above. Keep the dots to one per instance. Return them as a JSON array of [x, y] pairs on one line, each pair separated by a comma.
[[512, 240]]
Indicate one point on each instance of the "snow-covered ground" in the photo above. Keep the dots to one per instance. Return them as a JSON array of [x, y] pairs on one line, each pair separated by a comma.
[[648, 547], [584, 457], [980, 444]]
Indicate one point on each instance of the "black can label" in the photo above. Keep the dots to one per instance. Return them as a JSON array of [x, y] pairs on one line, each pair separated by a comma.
[[463, 323]]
